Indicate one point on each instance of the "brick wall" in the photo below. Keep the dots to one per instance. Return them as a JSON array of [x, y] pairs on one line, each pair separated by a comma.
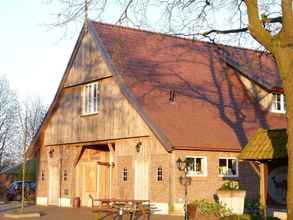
[[125, 189], [159, 190], [206, 187]]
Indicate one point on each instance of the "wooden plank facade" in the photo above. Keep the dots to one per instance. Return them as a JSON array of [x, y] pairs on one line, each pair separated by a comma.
[[75, 149]]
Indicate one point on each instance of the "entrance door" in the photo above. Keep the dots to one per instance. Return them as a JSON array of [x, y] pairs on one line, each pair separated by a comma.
[[89, 182], [54, 185], [103, 181], [141, 187]]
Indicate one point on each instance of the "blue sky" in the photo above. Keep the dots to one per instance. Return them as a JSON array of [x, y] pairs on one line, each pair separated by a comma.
[[32, 57]]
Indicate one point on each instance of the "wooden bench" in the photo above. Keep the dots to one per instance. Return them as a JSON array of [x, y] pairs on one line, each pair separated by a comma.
[[117, 208], [113, 213]]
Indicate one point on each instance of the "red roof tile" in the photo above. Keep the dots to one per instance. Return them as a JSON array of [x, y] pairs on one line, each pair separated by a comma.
[[212, 110]]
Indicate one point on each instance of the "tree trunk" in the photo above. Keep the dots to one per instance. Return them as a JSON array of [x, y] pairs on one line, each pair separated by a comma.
[[284, 59]]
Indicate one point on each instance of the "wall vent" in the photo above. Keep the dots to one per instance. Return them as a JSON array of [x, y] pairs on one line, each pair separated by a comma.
[[172, 97]]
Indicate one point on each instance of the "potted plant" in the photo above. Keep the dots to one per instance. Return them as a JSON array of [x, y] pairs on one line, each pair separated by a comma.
[[191, 209], [230, 195]]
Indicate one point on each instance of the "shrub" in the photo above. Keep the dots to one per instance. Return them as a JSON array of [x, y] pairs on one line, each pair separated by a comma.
[[230, 185], [207, 208]]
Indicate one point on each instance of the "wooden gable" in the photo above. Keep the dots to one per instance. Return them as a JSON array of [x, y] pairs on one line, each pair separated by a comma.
[[88, 64], [116, 118]]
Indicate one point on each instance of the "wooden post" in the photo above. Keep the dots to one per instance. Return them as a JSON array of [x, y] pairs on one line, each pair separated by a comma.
[[111, 148], [263, 186]]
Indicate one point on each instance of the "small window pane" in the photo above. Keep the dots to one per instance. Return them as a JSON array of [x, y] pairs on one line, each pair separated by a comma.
[[222, 166], [198, 165], [125, 174], [228, 167], [65, 175], [160, 174]]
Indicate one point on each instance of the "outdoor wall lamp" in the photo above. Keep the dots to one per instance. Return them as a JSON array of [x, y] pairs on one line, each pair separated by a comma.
[[51, 152], [184, 165], [138, 147]]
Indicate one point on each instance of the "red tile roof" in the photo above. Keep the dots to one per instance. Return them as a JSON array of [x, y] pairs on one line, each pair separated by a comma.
[[212, 110]]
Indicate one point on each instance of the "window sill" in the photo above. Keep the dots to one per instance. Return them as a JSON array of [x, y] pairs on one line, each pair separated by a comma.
[[88, 114], [278, 112], [228, 176], [196, 175]]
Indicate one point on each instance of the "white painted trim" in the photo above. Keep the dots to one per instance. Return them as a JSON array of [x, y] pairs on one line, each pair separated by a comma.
[[194, 174], [43, 201], [237, 167], [64, 202]]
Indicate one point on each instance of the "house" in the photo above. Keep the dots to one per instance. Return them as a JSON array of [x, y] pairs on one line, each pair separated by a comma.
[[131, 102]]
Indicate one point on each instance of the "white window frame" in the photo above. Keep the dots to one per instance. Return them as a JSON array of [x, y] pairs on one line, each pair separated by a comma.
[[90, 103], [205, 165], [228, 158], [282, 103]]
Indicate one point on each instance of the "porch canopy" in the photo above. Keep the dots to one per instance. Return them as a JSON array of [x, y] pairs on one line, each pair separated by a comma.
[[266, 145]]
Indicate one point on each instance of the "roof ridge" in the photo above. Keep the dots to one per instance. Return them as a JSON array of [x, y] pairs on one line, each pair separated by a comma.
[[177, 37]]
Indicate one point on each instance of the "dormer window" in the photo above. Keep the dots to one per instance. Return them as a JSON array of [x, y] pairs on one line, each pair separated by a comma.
[[91, 98], [278, 103]]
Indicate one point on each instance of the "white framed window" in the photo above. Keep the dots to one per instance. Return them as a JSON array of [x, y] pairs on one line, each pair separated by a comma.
[[91, 98], [228, 167], [159, 174], [197, 165], [278, 103]]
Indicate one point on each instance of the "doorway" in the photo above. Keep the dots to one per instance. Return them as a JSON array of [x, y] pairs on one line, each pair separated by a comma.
[[54, 184], [141, 186]]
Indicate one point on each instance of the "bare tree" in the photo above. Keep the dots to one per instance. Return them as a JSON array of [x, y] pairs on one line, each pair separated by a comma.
[[8, 124], [30, 114], [269, 22]]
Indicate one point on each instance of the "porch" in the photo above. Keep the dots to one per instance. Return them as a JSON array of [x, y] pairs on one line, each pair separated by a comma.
[[267, 154]]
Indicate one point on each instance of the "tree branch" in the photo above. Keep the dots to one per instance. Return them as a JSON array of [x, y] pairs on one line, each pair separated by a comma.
[[256, 27], [287, 31], [124, 14], [236, 30]]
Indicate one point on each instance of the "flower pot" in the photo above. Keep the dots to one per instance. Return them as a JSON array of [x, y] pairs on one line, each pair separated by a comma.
[[232, 199], [191, 211]]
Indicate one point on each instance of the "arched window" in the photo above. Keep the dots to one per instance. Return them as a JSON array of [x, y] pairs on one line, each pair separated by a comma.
[[125, 174], [160, 174]]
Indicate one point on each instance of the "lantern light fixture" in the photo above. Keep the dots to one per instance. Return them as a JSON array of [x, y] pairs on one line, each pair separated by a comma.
[[138, 147]]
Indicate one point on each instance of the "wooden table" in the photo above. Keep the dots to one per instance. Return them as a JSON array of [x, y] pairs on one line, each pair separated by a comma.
[[117, 208]]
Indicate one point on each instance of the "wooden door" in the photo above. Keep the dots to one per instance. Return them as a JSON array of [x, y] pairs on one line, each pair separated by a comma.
[[89, 182], [141, 186], [54, 184], [104, 182]]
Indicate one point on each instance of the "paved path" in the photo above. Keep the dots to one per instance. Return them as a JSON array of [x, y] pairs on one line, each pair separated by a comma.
[[56, 213]]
